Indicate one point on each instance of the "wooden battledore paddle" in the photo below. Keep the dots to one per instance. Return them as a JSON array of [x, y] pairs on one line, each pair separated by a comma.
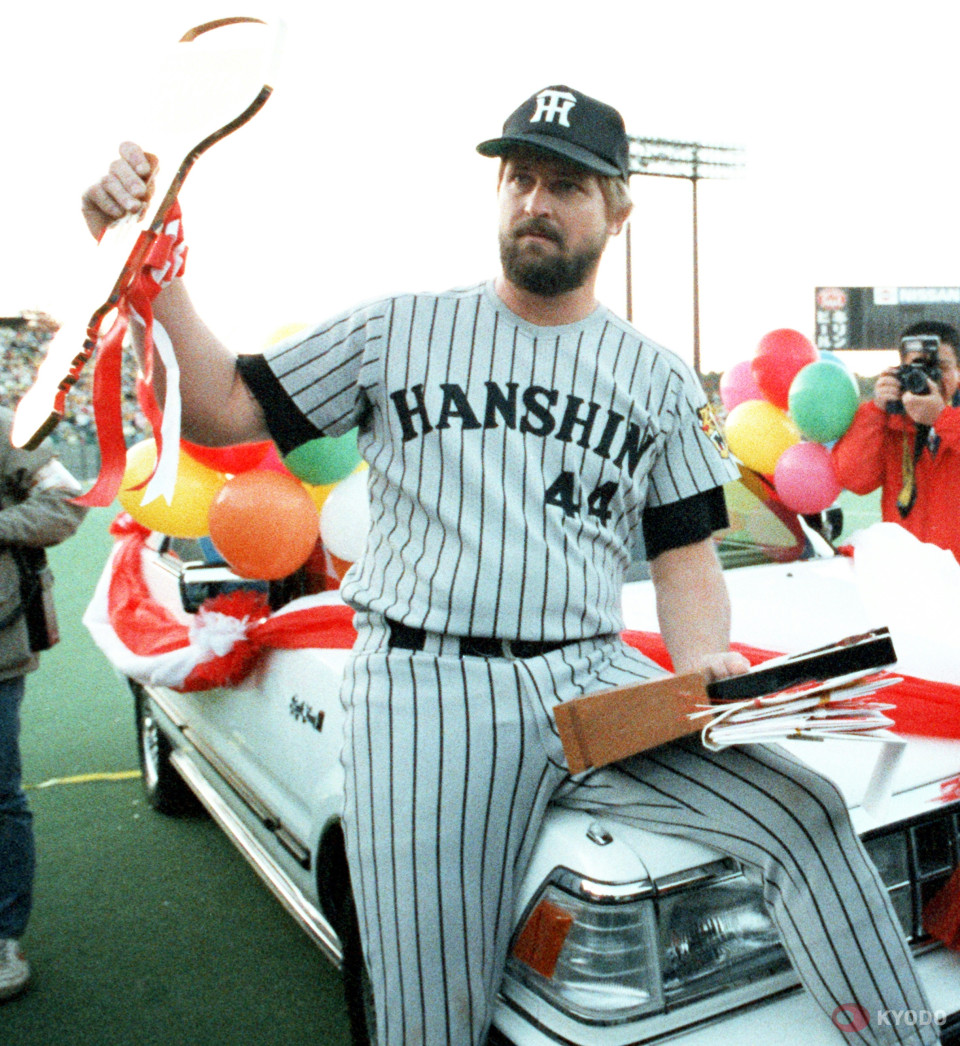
[[219, 79]]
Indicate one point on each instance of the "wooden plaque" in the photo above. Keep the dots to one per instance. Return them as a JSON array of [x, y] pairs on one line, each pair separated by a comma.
[[601, 728]]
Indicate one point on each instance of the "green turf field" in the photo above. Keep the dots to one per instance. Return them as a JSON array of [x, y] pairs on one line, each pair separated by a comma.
[[858, 511], [146, 931]]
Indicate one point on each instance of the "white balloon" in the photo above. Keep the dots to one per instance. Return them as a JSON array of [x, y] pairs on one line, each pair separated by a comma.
[[345, 518]]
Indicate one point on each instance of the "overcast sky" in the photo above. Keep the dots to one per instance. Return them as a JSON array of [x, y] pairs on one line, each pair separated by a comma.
[[360, 176]]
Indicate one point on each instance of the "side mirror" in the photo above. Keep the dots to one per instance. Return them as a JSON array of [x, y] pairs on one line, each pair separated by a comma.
[[200, 582], [828, 523], [833, 522]]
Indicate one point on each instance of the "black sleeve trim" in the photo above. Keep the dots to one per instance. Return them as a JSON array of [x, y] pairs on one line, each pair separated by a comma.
[[684, 522], [288, 427]]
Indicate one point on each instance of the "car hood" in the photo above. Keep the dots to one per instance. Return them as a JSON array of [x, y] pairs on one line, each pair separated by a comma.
[[786, 608], [780, 607]]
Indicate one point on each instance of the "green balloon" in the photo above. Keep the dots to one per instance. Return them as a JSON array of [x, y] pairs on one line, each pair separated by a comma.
[[325, 460], [823, 400]]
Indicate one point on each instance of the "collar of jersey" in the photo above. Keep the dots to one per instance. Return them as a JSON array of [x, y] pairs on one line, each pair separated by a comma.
[[598, 315]]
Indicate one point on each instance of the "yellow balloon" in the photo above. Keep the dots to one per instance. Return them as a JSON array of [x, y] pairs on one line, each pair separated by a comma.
[[319, 493], [193, 494], [758, 433]]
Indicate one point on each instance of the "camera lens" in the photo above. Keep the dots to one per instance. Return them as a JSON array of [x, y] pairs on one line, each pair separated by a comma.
[[914, 380]]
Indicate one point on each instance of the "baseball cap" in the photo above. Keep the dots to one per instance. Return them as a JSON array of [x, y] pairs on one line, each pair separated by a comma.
[[570, 124]]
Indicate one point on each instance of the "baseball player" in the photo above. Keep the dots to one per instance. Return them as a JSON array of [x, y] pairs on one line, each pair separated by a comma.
[[520, 437]]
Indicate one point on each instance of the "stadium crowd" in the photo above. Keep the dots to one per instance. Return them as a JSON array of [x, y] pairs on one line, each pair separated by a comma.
[[23, 344]]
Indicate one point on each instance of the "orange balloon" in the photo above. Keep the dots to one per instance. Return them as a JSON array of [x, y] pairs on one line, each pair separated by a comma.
[[264, 524]]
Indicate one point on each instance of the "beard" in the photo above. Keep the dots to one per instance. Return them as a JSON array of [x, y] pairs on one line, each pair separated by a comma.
[[546, 274]]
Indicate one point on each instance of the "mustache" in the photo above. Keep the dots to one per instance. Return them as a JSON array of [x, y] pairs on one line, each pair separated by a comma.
[[537, 227]]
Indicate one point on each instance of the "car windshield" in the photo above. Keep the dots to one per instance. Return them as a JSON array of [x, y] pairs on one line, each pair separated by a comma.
[[761, 529]]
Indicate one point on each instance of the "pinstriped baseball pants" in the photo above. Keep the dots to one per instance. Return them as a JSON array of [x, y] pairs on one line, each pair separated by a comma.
[[450, 764]]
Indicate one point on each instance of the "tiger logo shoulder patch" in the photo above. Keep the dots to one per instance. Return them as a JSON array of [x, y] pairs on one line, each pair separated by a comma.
[[711, 429]]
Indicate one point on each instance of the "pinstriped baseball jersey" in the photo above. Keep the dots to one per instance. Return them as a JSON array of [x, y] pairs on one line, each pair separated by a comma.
[[510, 464]]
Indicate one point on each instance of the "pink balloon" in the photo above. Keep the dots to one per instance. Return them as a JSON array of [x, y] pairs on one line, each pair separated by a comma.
[[738, 384], [805, 479]]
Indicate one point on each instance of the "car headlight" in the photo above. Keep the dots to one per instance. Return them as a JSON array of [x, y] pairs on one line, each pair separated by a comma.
[[610, 953], [715, 937], [590, 948]]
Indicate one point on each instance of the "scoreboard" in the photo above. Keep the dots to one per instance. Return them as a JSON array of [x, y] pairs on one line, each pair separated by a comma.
[[873, 317]]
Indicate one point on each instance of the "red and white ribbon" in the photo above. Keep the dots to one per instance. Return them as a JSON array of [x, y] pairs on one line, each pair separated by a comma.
[[164, 266], [163, 260], [218, 647]]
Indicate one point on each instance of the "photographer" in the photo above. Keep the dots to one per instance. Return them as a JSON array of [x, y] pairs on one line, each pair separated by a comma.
[[36, 511], [906, 440]]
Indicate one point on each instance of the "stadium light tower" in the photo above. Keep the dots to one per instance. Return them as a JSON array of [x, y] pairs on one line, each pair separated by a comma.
[[692, 161]]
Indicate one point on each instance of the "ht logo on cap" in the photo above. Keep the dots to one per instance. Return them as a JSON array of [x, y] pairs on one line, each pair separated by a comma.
[[552, 104]]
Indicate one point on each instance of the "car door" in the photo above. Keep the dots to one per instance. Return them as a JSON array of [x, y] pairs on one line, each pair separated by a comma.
[[275, 736]]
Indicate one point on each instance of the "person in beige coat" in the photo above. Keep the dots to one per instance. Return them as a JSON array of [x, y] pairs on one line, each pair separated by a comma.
[[36, 511]]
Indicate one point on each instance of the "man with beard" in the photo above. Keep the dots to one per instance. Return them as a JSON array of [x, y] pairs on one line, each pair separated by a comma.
[[520, 437]]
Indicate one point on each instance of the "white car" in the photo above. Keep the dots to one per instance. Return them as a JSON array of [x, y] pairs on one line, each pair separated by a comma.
[[670, 940]]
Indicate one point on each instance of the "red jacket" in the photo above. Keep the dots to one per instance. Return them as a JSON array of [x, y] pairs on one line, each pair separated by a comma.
[[870, 453]]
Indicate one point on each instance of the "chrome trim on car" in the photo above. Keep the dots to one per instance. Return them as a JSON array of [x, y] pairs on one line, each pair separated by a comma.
[[297, 849], [599, 892], [716, 871], [283, 888], [260, 810]]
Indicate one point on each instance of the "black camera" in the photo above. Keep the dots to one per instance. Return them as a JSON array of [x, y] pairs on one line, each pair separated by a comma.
[[913, 376]]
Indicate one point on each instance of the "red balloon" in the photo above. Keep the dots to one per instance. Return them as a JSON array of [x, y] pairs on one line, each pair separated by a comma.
[[264, 524], [272, 462], [241, 457], [779, 358]]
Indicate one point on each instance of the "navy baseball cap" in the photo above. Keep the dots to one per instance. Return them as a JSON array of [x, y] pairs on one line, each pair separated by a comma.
[[570, 124]]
